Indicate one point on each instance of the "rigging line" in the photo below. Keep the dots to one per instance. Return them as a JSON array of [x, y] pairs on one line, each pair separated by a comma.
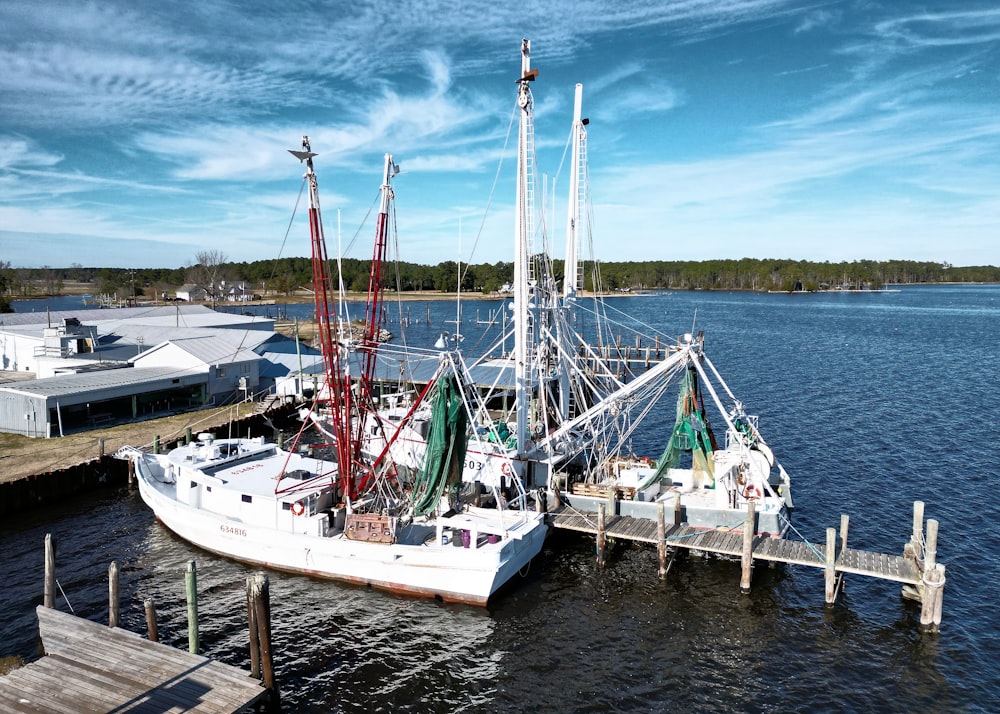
[[64, 597], [493, 188], [821, 556], [288, 230]]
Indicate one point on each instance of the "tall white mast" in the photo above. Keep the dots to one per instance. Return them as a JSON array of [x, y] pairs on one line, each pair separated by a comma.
[[573, 218], [522, 232]]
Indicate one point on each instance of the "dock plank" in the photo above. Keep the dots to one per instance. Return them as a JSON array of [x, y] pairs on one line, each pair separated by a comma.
[[103, 669]]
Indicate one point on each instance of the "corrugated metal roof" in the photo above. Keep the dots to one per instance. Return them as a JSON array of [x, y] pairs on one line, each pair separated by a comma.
[[209, 349], [91, 316], [69, 384]]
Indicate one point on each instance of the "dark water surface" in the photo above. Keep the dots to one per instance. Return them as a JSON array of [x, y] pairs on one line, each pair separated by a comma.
[[871, 401]]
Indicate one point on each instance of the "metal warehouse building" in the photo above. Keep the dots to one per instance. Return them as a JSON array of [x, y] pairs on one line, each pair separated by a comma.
[[75, 402]]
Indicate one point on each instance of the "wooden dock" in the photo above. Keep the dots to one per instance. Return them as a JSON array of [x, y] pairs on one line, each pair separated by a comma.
[[88, 667], [916, 568]]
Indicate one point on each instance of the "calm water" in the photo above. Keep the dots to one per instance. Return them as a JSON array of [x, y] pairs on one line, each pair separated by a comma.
[[870, 401]]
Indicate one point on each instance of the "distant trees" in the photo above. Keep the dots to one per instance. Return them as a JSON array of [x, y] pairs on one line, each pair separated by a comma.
[[285, 275]]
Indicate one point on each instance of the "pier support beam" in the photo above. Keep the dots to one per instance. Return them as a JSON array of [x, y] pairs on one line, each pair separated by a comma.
[[831, 565], [749, 528], [260, 598], [151, 627], [191, 588], [930, 611], [661, 539], [49, 598], [601, 536], [113, 599]]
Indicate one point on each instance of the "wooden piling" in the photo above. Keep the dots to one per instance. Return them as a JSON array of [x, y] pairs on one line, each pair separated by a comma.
[[930, 611], [191, 588], [262, 614], [151, 627], [918, 529], [156, 444], [939, 599], [612, 496], [187, 435], [844, 522], [114, 602], [677, 508], [830, 567], [252, 628], [601, 536], [661, 539], [49, 598], [100, 448], [930, 546], [746, 559]]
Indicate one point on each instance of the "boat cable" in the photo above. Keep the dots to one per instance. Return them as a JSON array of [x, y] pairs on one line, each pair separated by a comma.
[[59, 585], [814, 549]]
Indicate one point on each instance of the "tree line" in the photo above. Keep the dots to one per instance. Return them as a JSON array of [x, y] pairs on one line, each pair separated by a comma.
[[286, 275]]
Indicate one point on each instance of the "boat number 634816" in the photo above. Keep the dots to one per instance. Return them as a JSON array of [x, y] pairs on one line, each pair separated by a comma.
[[232, 530]]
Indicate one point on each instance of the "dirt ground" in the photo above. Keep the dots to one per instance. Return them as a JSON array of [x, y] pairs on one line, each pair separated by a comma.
[[22, 456]]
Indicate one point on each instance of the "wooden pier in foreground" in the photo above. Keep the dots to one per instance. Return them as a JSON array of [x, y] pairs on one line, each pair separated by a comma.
[[916, 569], [88, 667]]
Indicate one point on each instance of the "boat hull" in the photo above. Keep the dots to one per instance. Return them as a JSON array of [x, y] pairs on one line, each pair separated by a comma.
[[451, 574]]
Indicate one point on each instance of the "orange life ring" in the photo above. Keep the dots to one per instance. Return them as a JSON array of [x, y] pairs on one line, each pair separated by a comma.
[[506, 468], [298, 509], [752, 490]]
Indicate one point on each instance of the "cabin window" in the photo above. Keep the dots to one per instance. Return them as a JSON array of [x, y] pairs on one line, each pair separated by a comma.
[[175, 381], [208, 488], [247, 499], [286, 506], [194, 484]]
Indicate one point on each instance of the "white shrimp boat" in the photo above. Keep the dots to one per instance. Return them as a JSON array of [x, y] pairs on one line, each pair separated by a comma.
[[249, 500], [368, 522]]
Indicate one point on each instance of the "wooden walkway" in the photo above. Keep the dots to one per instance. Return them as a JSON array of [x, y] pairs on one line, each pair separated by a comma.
[[88, 667], [778, 550]]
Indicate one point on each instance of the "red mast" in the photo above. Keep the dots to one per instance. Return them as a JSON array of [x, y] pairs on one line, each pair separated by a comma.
[[338, 378]]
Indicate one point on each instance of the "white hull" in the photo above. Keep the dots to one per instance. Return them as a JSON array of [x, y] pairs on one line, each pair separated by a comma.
[[422, 562]]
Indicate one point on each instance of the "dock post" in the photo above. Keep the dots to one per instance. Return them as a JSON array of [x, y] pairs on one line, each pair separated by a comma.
[[661, 538], [613, 496], [151, 628], [113, 601], [100, 448], [918, 530], [831, 565], [677, 508], [930, 611], [600, 533], [191, 587], [49, 598], [939, 598], [252, 627], [556, 497], [930, 549], [262, 615], [747, 556], [187, 435], [156, 444], [844, 522]]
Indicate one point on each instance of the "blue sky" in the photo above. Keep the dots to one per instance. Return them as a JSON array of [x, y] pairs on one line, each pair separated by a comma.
[[137, 134]]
